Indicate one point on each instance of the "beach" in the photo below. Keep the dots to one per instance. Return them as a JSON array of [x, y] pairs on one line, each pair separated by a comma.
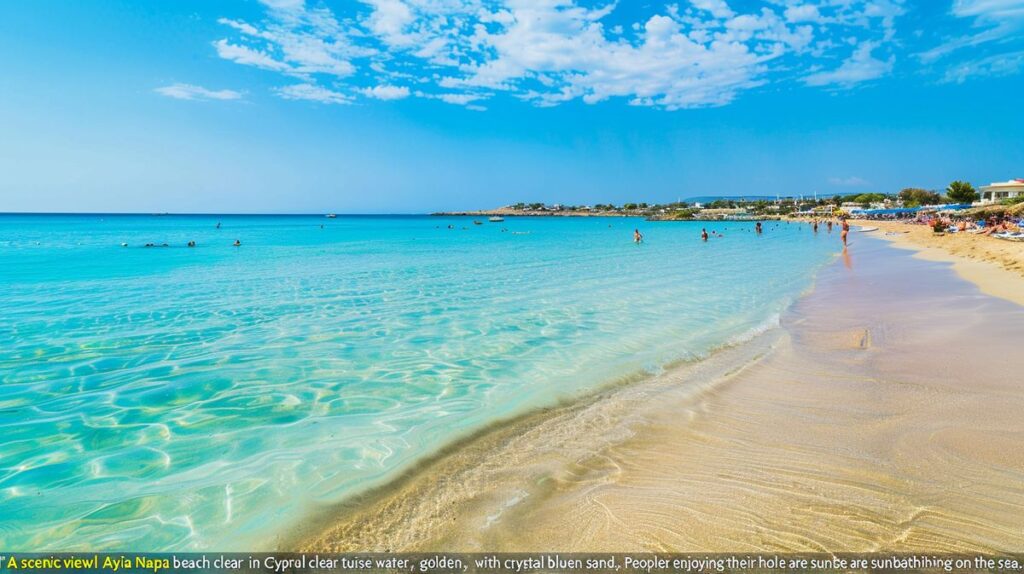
[[995, 265], [881, 415]]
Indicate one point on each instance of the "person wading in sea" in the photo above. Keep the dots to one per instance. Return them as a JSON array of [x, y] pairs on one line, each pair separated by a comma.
[[704, 235], [637, 236], [846, 231]]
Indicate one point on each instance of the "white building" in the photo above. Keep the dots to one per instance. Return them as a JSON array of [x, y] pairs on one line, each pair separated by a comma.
[[999, 191]]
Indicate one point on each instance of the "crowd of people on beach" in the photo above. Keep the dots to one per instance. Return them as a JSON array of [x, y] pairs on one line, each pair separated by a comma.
[[1001, 226], [995, 225]]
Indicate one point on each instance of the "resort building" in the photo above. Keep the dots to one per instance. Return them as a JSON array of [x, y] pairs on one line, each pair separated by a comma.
[[999, 191], [723, 213]]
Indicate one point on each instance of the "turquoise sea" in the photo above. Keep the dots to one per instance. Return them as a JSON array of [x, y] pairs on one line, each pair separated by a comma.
[[173, 398]]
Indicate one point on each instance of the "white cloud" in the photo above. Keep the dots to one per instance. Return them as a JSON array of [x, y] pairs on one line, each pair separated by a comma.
[[312, 93], [297, 40], [701, 53], [993, 20], [991, 9], [802, 13], [193, 92], [567, 47], [386, 92], [718, 8], [458, 99], [284, 4], [389, 20], [247, 56], [997, 65], [860, 67]]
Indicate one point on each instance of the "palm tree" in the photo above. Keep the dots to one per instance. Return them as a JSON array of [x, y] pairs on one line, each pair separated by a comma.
[[961, 192]]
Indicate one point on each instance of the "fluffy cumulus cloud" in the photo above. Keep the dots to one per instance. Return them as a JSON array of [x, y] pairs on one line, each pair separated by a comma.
[[671, 55], [386, 92], [191, 92]]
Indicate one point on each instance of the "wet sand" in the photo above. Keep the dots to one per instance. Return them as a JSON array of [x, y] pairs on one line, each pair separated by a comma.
[[884, 414], [995, 265]]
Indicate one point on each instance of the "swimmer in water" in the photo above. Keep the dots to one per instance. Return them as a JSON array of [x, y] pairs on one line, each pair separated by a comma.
[[637, 236], [828, 225], [237, 243], [704, 235], [757, 227], [191, 243], [815, 225], [218, 225]]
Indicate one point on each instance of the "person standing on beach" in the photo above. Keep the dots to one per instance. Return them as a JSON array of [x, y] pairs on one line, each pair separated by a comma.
[[846, 231], [704, 235], [637, 236]]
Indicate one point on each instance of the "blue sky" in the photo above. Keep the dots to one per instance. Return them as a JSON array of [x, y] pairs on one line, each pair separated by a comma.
[[363, 106]]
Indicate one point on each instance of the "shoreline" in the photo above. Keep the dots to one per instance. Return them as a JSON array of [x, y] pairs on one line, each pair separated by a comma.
[[532, 213], [352, 525], [994, 265], [646, 466], [576, 213]]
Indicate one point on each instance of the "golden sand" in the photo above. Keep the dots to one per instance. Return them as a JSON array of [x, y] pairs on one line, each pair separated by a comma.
[[995, 265], [885, 414]]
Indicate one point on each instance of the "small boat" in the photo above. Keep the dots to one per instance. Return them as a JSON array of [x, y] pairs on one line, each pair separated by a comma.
[[495, 219], [475, 222], [331, 216], [867, 229]]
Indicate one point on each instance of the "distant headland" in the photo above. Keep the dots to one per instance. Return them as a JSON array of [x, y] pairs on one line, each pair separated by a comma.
[[675, 211], [959, 194]]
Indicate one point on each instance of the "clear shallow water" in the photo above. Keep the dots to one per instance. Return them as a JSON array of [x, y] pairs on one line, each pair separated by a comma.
[[177, 398]]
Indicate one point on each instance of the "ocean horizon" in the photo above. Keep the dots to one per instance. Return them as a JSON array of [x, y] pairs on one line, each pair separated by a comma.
[[210, 397]]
